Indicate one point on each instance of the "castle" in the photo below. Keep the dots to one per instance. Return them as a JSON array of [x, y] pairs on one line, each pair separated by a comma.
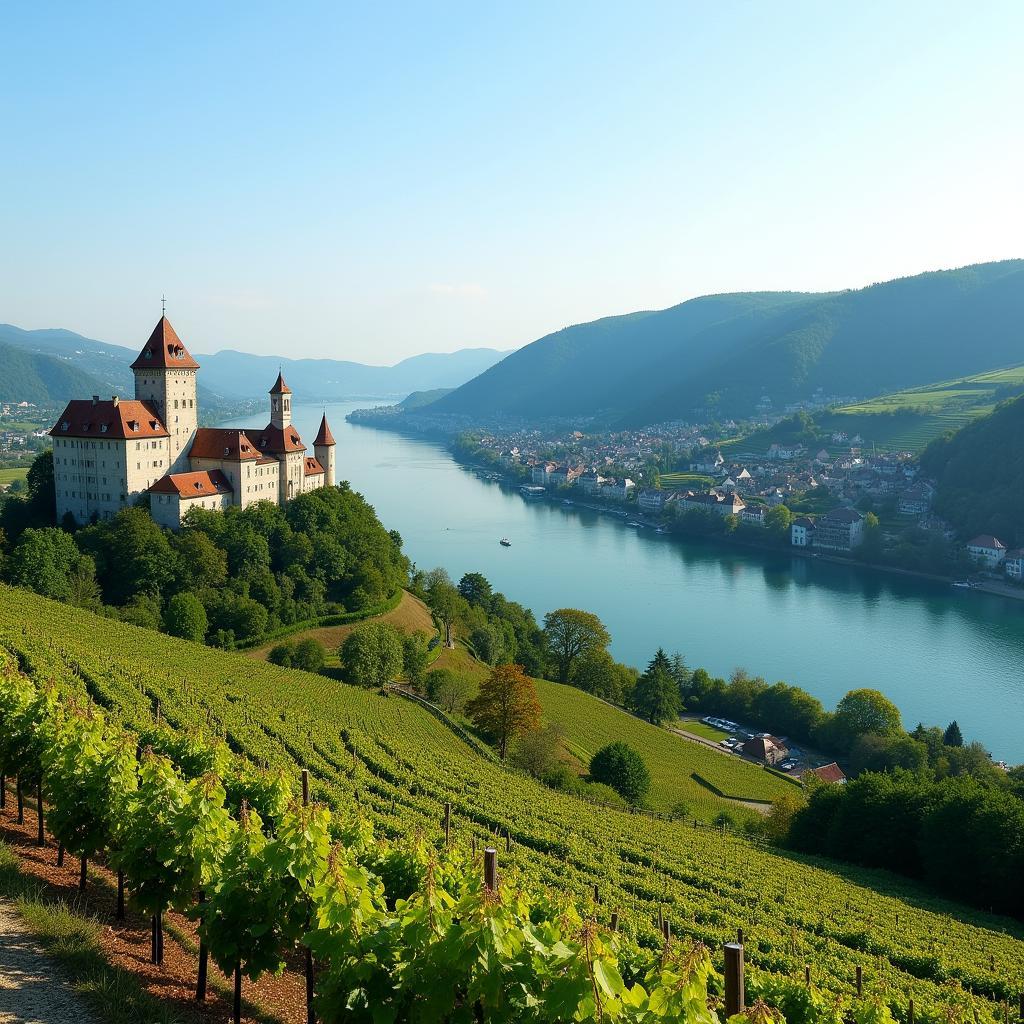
[[108, 454]]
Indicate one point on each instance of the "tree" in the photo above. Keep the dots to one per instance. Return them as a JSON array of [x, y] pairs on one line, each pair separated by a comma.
[[656, 696], [448, 689], [475, 588], [952, 737], [185, 616], [448, 605], [571, 633], [780, 817], [309, 655], [415, 656], [201, 562], [537, 751], [43, 561], [506, 705], [488, 642], [372, 655], [281, 654], [864, 711], [618, 765]]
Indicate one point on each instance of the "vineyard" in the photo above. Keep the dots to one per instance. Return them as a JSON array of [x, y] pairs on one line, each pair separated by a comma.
[[382, 761]]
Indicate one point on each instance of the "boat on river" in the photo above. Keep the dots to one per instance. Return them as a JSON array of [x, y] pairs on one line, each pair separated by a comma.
[[505, 542]]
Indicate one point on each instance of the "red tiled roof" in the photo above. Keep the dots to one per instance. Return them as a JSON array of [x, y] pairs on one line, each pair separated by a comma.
[[221, 443], [275, 440], [313, 468], [193, 485], [280, 388], [324, 435], [113, 418], [829, 773], [164, 350]]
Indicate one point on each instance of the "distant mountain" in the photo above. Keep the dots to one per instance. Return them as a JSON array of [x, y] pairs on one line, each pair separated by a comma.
[[979, 470], [419, 399], [720, 354], [237, 375], [41, 379]]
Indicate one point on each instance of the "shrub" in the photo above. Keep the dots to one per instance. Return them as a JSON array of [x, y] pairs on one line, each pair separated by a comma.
[[618, 765]]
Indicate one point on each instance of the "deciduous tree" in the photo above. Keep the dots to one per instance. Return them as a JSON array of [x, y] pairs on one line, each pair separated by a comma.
[[506, 705], [570, 634]]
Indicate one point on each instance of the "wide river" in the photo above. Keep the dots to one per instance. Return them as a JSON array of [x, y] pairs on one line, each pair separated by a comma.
[[937, 652]]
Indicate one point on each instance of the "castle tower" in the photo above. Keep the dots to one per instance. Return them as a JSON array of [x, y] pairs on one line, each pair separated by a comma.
[[280, 404], [165, 377], [324, 449]]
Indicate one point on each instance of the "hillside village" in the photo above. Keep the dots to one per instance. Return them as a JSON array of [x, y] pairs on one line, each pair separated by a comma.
[[834, 499]]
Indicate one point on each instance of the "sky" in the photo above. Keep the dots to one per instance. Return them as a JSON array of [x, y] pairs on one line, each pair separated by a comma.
[[372, 181]]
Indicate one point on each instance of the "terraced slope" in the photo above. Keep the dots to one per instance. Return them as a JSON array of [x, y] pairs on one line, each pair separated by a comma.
[[402, 765]]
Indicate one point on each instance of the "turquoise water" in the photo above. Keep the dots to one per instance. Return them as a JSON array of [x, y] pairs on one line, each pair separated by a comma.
[[938, 653]]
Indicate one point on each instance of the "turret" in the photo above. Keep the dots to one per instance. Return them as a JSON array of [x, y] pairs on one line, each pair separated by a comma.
[[324, 449], [165, 377], [280, 403]]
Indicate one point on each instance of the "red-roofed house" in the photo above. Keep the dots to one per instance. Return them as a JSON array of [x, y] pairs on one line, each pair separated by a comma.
[[107, 454], [986, 550], [831, 773]]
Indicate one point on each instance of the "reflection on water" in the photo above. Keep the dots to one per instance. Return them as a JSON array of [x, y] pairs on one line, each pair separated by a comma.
[[940, 654]]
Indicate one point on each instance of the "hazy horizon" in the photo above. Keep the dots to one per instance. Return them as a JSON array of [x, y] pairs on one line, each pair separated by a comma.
[[374, 184]]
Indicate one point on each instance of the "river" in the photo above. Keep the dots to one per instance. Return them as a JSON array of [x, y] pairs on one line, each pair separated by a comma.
[[939, 653]]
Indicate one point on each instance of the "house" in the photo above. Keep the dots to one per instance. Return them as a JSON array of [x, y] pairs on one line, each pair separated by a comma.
[[1013, 564], [108, 455], [707, 462], [916, 500], [766, 749], [541, 473], [651, 500], [728, 485], [842, 529], [986, 550], [619, 489], [801, 532], [830, 773], [590, 482], [713, 502], [754, 514], [565, 476]]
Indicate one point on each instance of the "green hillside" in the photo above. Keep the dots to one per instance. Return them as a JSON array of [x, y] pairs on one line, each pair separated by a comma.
[[402, 764], [718, 355], [41, 379], [672, 761], [980, 474]]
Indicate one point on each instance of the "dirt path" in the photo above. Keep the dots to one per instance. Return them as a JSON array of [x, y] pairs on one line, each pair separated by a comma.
[[31, 989]]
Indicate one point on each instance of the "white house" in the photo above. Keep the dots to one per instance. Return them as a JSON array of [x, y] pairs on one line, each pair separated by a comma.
[[986, 550], [801, 532], [651, 500], [1013, 565]]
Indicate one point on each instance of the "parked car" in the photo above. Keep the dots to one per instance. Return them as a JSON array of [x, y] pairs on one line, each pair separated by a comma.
[[788, 766]]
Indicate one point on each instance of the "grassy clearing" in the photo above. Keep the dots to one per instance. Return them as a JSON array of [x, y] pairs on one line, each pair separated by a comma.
[[671, 481], [9, 474], [72, 938], [698, 728]]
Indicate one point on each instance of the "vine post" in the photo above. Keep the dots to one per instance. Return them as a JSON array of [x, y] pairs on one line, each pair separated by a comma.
[[491, 869], [860, 980], [41, 834], [735, 996]]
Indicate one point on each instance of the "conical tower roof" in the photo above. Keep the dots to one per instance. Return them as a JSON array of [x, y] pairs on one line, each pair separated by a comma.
[[164, 350], [280, 388], [324, 435]]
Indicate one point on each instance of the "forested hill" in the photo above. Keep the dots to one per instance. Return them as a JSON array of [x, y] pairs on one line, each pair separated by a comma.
[[723, 353], [980, 474], [41, 379]]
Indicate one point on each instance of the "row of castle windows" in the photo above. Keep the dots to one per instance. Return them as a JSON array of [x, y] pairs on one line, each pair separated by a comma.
[[67, 442]]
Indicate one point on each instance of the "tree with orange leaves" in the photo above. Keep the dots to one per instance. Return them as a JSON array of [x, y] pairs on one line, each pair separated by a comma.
[[506, 706]]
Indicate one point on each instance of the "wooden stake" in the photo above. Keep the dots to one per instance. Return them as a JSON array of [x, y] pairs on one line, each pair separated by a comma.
[[508, 841], [735, 995], [615, 920], [237, 1011], [739, 936], [860, 980], [310, 1013], [60, 855], [807, 975], [491, 869], [41, 834], [597, 894], [910, 1012], [204, 957]]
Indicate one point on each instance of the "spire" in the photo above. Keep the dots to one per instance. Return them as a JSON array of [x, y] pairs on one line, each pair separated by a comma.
[[164, 350], [324, 437], [280, 388]]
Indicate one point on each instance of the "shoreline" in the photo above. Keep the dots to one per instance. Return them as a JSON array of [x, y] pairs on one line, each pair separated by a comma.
[[996, 588]]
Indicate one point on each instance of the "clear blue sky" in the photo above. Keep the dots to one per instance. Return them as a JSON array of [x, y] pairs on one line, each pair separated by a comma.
[[370, 181]]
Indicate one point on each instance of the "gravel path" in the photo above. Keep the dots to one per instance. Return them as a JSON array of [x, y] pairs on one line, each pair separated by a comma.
[[31, 991]]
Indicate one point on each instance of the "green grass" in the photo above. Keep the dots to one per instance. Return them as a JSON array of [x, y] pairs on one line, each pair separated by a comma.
[[402, 765], [9, 475], [589, 725], [678, 481], [69, 935], [698, 728]]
